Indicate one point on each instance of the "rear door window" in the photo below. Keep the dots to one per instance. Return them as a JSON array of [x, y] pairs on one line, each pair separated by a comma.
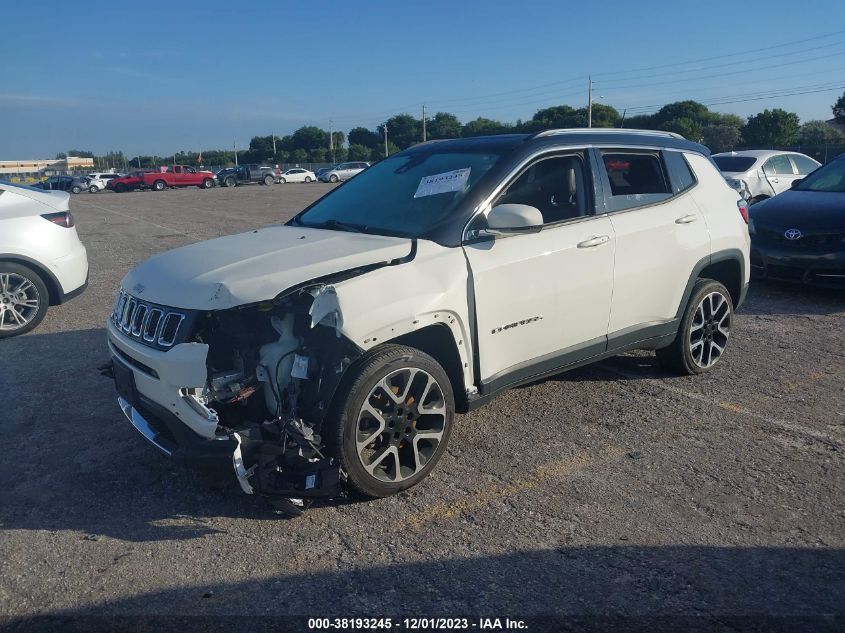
[[803, 165], [635, 178], [778, 166]]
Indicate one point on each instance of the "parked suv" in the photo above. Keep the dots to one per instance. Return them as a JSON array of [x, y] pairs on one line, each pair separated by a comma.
[[130, 182], [761, 174], [244, 174], [42, 261], [340, 346], [100, 180], [343, 171]]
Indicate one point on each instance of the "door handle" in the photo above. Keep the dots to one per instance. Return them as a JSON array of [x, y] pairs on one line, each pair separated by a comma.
[[774, 180], [597, 240], [686, 219]]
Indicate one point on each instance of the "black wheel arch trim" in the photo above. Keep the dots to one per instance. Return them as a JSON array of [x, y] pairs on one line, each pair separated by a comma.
[[57, 295], [730, 254]]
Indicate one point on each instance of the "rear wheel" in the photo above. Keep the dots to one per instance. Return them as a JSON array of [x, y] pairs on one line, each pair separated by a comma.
[[93, 189], [230, 182], [391, 420], [704, 331], [119, 187], [76, 189], [307, 178], [333, 178], [282, 181], [268, 180], [23, 299], [159, 185]]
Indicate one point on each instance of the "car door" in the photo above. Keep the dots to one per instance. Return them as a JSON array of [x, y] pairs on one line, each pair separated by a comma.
[[779, 173], [542, 298], [660, 234], [804, 165]]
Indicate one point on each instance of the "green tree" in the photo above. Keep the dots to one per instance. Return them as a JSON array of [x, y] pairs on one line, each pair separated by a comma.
[[639, 122], [319, 155], [560, 116], [770, 128], [378, 152], [359, 152], [443, 125], [721, 138], [310, 137], [403, 129], [298, 156], [692, 110], [688, 128], [819, 133], [485, 127], [365, 137], [839, 109]]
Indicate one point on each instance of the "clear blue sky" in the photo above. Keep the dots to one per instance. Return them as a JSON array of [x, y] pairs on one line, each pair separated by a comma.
[[158, 77]]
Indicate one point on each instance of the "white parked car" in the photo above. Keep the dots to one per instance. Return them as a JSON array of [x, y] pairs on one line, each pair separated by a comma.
[[339, 347], [297, 174], [97, 181], [761, 174], [42, 261], [343, 171]]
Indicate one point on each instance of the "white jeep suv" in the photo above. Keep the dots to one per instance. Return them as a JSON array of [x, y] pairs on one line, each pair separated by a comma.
[[336, 349]]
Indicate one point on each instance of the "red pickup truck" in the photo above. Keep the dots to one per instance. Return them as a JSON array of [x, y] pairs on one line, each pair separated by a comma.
[[178, 176]]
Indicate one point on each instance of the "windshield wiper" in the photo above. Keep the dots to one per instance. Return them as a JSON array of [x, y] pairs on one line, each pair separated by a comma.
[[337, 224]]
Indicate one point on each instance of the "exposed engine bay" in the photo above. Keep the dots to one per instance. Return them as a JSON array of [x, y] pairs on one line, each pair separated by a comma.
[[272, 371]]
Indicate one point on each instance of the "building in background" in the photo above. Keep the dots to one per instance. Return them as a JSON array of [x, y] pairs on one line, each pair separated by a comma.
[[34, 170]]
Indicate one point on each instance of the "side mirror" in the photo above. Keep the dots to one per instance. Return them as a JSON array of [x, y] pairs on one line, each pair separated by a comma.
[[796, 182], [506, 219]]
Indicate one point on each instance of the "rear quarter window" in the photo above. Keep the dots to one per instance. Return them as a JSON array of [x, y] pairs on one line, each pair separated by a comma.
[[635, 179], [680, 174]]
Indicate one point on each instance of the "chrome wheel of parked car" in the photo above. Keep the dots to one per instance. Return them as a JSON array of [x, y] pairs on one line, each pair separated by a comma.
[[23, 300], [333, 178], [703, 332], [76, 189], [282, 181], [230, 182], [307, 178], [391, 420], [159, 185], [93, 189], [208, 183], [711, 327]]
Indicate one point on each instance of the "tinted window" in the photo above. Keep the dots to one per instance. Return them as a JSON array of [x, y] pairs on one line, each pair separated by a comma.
[[680, 173], [734, 163], [556, 186], [778, 166], [829, 178], [635, 179], [803, 164]]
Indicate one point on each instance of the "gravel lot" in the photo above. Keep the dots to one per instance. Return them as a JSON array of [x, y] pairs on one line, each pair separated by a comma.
[[614, 489]]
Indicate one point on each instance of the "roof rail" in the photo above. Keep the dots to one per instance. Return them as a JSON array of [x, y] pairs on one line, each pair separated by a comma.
[[607, 130]]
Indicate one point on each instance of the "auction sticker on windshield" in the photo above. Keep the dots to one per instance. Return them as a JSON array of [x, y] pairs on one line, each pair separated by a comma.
[[443, 183]]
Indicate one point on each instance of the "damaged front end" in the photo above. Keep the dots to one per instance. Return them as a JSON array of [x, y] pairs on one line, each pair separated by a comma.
[[273, 369]]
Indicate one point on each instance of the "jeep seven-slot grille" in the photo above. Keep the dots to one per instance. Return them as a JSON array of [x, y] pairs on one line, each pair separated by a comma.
[[153, 325]]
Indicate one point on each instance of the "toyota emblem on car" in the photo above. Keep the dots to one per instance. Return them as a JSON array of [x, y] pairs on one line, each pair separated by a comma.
[[792, 234]]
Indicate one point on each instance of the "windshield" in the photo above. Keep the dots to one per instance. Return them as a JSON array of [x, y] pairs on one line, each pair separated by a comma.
[[734, 163], [830, 178], [405, 195]]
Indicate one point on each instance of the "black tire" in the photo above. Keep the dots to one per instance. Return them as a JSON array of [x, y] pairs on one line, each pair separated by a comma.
[[230, 182], [333, 178], [159, 185], [40, 289], [282, 181], [93, 189], [307, 178], [207, 183], [268, 180], [120, 188], [342, 424], [76, 189], [680, 357]]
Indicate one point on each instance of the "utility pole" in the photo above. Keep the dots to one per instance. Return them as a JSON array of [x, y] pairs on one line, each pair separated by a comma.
[[385, 139], [622, 122], [273, 135], [590, 101], [235, 148], [423, 123], [331, 140]]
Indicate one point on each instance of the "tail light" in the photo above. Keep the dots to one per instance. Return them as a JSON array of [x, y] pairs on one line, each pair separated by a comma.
[[62, 218], [742, 205]]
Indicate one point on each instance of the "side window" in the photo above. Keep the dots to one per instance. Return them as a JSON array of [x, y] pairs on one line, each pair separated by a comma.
[[635, 178], [680, 174], [177, 170], [803, 165], [778, 166], [191, 170], [556, 185]]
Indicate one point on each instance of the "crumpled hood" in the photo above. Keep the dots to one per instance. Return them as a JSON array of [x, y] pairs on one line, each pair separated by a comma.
[[256, 266]]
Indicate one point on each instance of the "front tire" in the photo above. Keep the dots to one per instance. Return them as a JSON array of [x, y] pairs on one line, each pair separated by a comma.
[[391, 420], [208, 183], [307, 178], [230, 182], [23, 299], [93, 189], [282, 181], [704, 331], [76, 189], [268, 180], [159, 185], [333, 178], [119, 188]]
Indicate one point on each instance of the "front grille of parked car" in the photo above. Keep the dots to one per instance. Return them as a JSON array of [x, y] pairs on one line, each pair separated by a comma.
[[148, 323], [809, 239]]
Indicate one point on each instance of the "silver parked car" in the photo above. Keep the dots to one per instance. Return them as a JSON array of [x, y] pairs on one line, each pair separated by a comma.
[[761, 174], [343, 171]]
